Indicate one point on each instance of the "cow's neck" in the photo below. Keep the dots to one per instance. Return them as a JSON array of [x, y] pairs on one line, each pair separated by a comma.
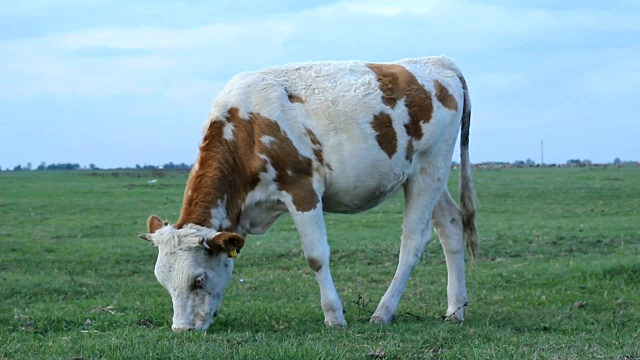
[[221, 178], [205, 202]]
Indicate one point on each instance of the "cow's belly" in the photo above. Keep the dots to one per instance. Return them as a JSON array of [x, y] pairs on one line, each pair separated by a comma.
[[362, 186]]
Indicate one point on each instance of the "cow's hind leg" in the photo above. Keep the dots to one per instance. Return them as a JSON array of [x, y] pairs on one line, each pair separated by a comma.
[[422, 190], [313, 235], [447, 220]]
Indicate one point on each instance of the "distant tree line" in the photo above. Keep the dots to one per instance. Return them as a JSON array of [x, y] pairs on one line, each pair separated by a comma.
[[530, 163], [183, 166], [570, 162], [74, 166], [43, 166], [168, 166]]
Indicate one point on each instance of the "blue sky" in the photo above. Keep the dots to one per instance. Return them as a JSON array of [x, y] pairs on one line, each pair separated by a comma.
[[119, 83]]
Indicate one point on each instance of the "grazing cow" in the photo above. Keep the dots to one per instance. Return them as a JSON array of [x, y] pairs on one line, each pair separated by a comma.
[[327, 136]]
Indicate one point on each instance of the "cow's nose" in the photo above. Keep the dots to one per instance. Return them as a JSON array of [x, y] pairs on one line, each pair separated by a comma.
[[180, 329]]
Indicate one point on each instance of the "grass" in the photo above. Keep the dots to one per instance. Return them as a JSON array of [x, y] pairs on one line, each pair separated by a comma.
[[558, 276]]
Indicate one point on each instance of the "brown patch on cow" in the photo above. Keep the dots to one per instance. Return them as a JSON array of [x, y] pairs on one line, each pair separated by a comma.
[[409, 151], [420, 108], [393, 81], [294, 171], [314, 264], [230, 169], [313, 138], [317, 147], [225, 168], [396, 83], [385, 133], [444, 96], [295, 98], [318, 154]]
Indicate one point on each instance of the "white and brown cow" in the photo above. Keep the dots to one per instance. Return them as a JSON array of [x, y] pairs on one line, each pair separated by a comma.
[[327, 136]]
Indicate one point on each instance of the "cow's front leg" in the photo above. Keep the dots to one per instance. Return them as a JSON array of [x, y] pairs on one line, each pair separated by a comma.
[[313, 235]]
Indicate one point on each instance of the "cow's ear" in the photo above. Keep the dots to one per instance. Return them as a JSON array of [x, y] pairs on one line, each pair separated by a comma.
[[154, 224], [229, 242]]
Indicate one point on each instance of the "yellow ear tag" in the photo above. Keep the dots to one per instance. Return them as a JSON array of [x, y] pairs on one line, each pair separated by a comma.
[[232, 253]]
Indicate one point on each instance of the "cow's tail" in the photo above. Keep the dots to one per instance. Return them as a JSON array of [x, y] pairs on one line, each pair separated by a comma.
[[467, 188]]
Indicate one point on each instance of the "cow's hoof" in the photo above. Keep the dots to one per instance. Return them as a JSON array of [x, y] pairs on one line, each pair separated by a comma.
[[381, 320], [336, 324], [454, 318]]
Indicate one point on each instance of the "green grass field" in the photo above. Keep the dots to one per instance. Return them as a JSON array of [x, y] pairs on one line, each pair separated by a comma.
[[558, 276]]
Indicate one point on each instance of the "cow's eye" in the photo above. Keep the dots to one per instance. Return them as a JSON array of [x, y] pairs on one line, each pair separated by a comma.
[[199, 281]]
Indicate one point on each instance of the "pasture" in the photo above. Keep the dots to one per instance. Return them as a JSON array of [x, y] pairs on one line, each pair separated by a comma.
[[558, 275]]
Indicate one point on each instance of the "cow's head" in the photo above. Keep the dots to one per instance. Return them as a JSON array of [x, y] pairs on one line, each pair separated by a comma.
[[194, 264]]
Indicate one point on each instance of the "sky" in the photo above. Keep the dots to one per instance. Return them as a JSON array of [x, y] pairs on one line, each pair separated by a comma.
[[120, 83]]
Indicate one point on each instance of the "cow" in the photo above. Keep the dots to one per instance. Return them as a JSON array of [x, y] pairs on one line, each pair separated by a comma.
[[309, 138]]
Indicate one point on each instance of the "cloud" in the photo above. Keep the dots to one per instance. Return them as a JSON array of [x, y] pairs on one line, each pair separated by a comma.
[[381, 8], [615, 77], [161, 38], [137, 61], [106, 61], [475, 24], [29, 8]]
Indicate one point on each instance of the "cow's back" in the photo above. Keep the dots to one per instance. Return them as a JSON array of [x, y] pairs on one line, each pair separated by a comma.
[[372, 122]]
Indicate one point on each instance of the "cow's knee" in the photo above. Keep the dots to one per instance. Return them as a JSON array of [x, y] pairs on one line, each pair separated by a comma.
[[315, 263], [449, 228]]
